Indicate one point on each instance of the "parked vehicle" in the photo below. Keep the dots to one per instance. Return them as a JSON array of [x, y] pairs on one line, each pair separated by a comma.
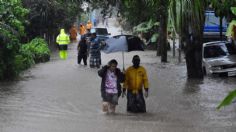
[[102, 33], [211, 31], [219, 57]]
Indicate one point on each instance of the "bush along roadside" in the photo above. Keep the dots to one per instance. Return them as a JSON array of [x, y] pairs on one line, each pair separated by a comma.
[[38, 49], [31, 53]]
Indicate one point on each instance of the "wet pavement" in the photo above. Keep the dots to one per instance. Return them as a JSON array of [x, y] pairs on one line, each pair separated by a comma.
[[61, 96]]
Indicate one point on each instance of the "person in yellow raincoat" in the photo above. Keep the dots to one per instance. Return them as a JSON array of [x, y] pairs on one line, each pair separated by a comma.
[[73, 33], [135, 81], [82, 29], [63, 40]]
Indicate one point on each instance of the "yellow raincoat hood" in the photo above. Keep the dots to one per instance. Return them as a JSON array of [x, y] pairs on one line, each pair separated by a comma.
[[62, 31], [63, 38]]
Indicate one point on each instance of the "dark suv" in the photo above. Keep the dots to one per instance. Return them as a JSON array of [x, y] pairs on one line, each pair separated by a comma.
[[102, 33]]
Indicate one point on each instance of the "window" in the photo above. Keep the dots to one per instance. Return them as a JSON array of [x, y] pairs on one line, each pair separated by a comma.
[[215, 51], [101, 31]]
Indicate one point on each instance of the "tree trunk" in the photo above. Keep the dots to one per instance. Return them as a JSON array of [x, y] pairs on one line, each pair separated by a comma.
[[221, 28], [194, 57], [158, 45], [163, 31]]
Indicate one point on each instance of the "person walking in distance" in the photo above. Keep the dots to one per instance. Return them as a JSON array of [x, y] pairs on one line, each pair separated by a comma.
[[82, 50], [95, 54], [73, 33], [82, 29], [63, 40]]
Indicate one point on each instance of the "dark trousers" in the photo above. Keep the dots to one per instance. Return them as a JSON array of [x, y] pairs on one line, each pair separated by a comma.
[[136, 102], [80, 57]]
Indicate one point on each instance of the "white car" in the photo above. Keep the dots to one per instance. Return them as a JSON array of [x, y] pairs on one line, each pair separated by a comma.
[[219, 57]]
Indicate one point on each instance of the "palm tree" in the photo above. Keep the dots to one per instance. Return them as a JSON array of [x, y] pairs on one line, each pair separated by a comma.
[[188, 21]]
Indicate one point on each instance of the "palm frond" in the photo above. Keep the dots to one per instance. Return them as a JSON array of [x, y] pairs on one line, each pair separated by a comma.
[[185, 14], [233, 10], [228, 99]]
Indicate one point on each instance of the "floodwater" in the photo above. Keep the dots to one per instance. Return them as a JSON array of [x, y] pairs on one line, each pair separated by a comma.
[[61, 96]]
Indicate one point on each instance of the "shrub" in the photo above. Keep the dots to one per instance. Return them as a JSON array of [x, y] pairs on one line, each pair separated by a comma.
[[33, 52], [38, 49], [24, 60], [12, 20]]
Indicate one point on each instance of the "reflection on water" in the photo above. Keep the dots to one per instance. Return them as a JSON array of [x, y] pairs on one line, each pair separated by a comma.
[[192, 86]]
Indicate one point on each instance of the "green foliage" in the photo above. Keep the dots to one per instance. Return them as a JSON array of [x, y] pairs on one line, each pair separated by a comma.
[[33, 52], [138, 11], [38, 49], [12, 19], [233, 10], [23, 61], [223, 8], [148, 30], [13, 15], [145, 27], [47, 16], [186, 14], [228, 99]]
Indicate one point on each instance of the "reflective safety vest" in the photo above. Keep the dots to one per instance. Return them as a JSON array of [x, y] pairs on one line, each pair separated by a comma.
[[62, 38]]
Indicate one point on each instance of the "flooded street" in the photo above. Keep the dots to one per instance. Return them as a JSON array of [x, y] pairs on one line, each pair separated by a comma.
[[61, 96]]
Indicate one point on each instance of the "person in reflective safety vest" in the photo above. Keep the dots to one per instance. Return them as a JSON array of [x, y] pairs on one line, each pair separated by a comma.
[[63, 40]]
